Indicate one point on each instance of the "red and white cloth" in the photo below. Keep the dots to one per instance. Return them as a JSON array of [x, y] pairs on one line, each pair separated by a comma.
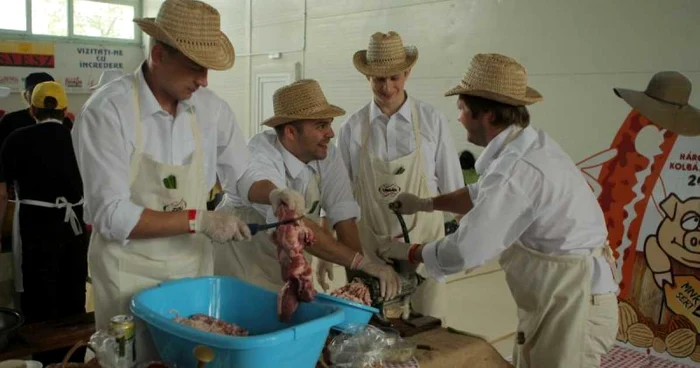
[[413, 363], [620, 357]]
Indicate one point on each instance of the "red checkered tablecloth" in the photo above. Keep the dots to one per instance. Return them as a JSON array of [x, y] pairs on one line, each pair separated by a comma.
[[413, 363], [620, 357]]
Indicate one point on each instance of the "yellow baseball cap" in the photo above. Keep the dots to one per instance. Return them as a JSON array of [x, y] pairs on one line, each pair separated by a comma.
[[49, 89]]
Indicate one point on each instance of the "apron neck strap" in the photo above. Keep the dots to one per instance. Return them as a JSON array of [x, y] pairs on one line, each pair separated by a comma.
[[138, 131]]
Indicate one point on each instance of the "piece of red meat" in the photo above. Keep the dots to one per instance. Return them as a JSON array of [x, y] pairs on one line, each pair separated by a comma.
[[291, 239]]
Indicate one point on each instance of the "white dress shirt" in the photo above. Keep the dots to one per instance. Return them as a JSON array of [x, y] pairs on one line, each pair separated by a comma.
[[531, 192], [104, 141], [392, 138], [271, 161]]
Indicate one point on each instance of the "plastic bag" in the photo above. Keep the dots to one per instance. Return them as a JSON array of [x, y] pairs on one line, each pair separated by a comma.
[[358, 347]]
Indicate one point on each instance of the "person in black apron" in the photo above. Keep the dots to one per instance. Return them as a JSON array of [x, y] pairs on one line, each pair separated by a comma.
[[49, 240]]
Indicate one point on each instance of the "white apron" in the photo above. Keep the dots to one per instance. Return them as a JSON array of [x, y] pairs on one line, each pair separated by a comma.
[[560, 324], [255, 260], [378, 185], [61, 202], [119, 271]]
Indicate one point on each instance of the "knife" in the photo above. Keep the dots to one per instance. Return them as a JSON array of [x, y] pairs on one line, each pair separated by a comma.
[[255, 228]]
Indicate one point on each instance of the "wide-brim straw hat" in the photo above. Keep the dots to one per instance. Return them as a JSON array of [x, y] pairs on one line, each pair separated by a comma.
[[499, 78], [193, 28], [665, 103], [301, 100], [385, 56]]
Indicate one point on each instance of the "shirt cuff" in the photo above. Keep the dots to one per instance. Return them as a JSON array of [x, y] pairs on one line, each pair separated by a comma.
[[343, 211], [125, 218], [431, 263]]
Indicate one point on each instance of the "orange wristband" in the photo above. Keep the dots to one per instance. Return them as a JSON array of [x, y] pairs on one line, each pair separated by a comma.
[[412, 253]]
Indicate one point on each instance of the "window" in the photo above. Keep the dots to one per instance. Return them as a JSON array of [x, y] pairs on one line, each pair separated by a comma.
[[76, 19]]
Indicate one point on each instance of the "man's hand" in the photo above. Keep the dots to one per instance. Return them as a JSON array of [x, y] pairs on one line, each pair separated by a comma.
[[408, 204], [291, 198], [221, 226], [389, 282], [324, 268]]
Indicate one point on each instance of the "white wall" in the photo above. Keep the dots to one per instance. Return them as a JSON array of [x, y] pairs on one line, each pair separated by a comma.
[[574, 51]]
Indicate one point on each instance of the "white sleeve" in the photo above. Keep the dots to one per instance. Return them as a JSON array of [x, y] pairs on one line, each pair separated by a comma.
[[103, 153], [501, 213], [336, 191], [232, 151]]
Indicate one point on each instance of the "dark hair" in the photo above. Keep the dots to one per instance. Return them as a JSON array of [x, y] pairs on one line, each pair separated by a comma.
[[49, 110], [504, 114], [466, 160], [297, 124]]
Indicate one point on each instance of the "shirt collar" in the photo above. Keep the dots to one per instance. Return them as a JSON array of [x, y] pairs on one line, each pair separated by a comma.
[[492, 150], [404, 110], [292, 164], [149, 104], [51, 120]]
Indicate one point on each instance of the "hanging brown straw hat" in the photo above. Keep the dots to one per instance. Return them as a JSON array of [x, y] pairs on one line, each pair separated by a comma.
[[301, 100], [499, 78], [193, 28], [665, 102], [385, 56]]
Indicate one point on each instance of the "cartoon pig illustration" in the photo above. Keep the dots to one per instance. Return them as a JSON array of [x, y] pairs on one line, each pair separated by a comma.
[[677, 238]]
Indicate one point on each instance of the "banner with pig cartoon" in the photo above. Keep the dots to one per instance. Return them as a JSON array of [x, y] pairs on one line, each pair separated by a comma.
[[648, 185]]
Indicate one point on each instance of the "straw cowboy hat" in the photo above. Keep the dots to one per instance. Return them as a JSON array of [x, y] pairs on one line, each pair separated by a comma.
[[301, 100], [106, 77], [193, 28], [665, 102], [499, 78], [385, 56]]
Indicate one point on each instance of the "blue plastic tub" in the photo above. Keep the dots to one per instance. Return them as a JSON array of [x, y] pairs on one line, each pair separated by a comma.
[[271, 343], [355, 313]]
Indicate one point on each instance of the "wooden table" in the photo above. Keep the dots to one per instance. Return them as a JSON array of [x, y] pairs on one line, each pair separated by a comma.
[[442, 347], [46, 336], [455, 349]]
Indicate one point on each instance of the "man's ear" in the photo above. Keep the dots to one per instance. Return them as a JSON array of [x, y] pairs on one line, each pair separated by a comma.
[[669, 205]]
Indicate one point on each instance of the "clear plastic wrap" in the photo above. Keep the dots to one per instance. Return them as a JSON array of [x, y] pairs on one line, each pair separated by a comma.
[[368, 347]]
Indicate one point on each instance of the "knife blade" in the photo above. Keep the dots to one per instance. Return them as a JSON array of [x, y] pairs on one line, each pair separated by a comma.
[[255, 228]]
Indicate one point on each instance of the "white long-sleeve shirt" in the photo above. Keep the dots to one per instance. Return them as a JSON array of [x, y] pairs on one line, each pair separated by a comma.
[[392, 137], [271, 161], [531, 192], [104, 141]]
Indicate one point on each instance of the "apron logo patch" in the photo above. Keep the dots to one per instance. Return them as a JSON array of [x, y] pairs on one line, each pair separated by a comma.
[[175, 206], [389, 190]]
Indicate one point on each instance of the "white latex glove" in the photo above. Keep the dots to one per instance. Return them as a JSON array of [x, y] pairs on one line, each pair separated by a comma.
[[324, 269], [221, 226], [389, 282], [290, 197], [409, 204], [394, 249]]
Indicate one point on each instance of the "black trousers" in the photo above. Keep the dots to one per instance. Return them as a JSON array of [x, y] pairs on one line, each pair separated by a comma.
[[55, 270]]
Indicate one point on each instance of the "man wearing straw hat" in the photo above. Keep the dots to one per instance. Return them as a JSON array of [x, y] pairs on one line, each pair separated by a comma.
[[396, 144], [297, 155], [532, 207], [149, 146]]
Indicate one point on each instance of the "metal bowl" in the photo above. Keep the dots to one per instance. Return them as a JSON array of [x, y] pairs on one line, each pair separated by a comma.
[[10, 321]]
